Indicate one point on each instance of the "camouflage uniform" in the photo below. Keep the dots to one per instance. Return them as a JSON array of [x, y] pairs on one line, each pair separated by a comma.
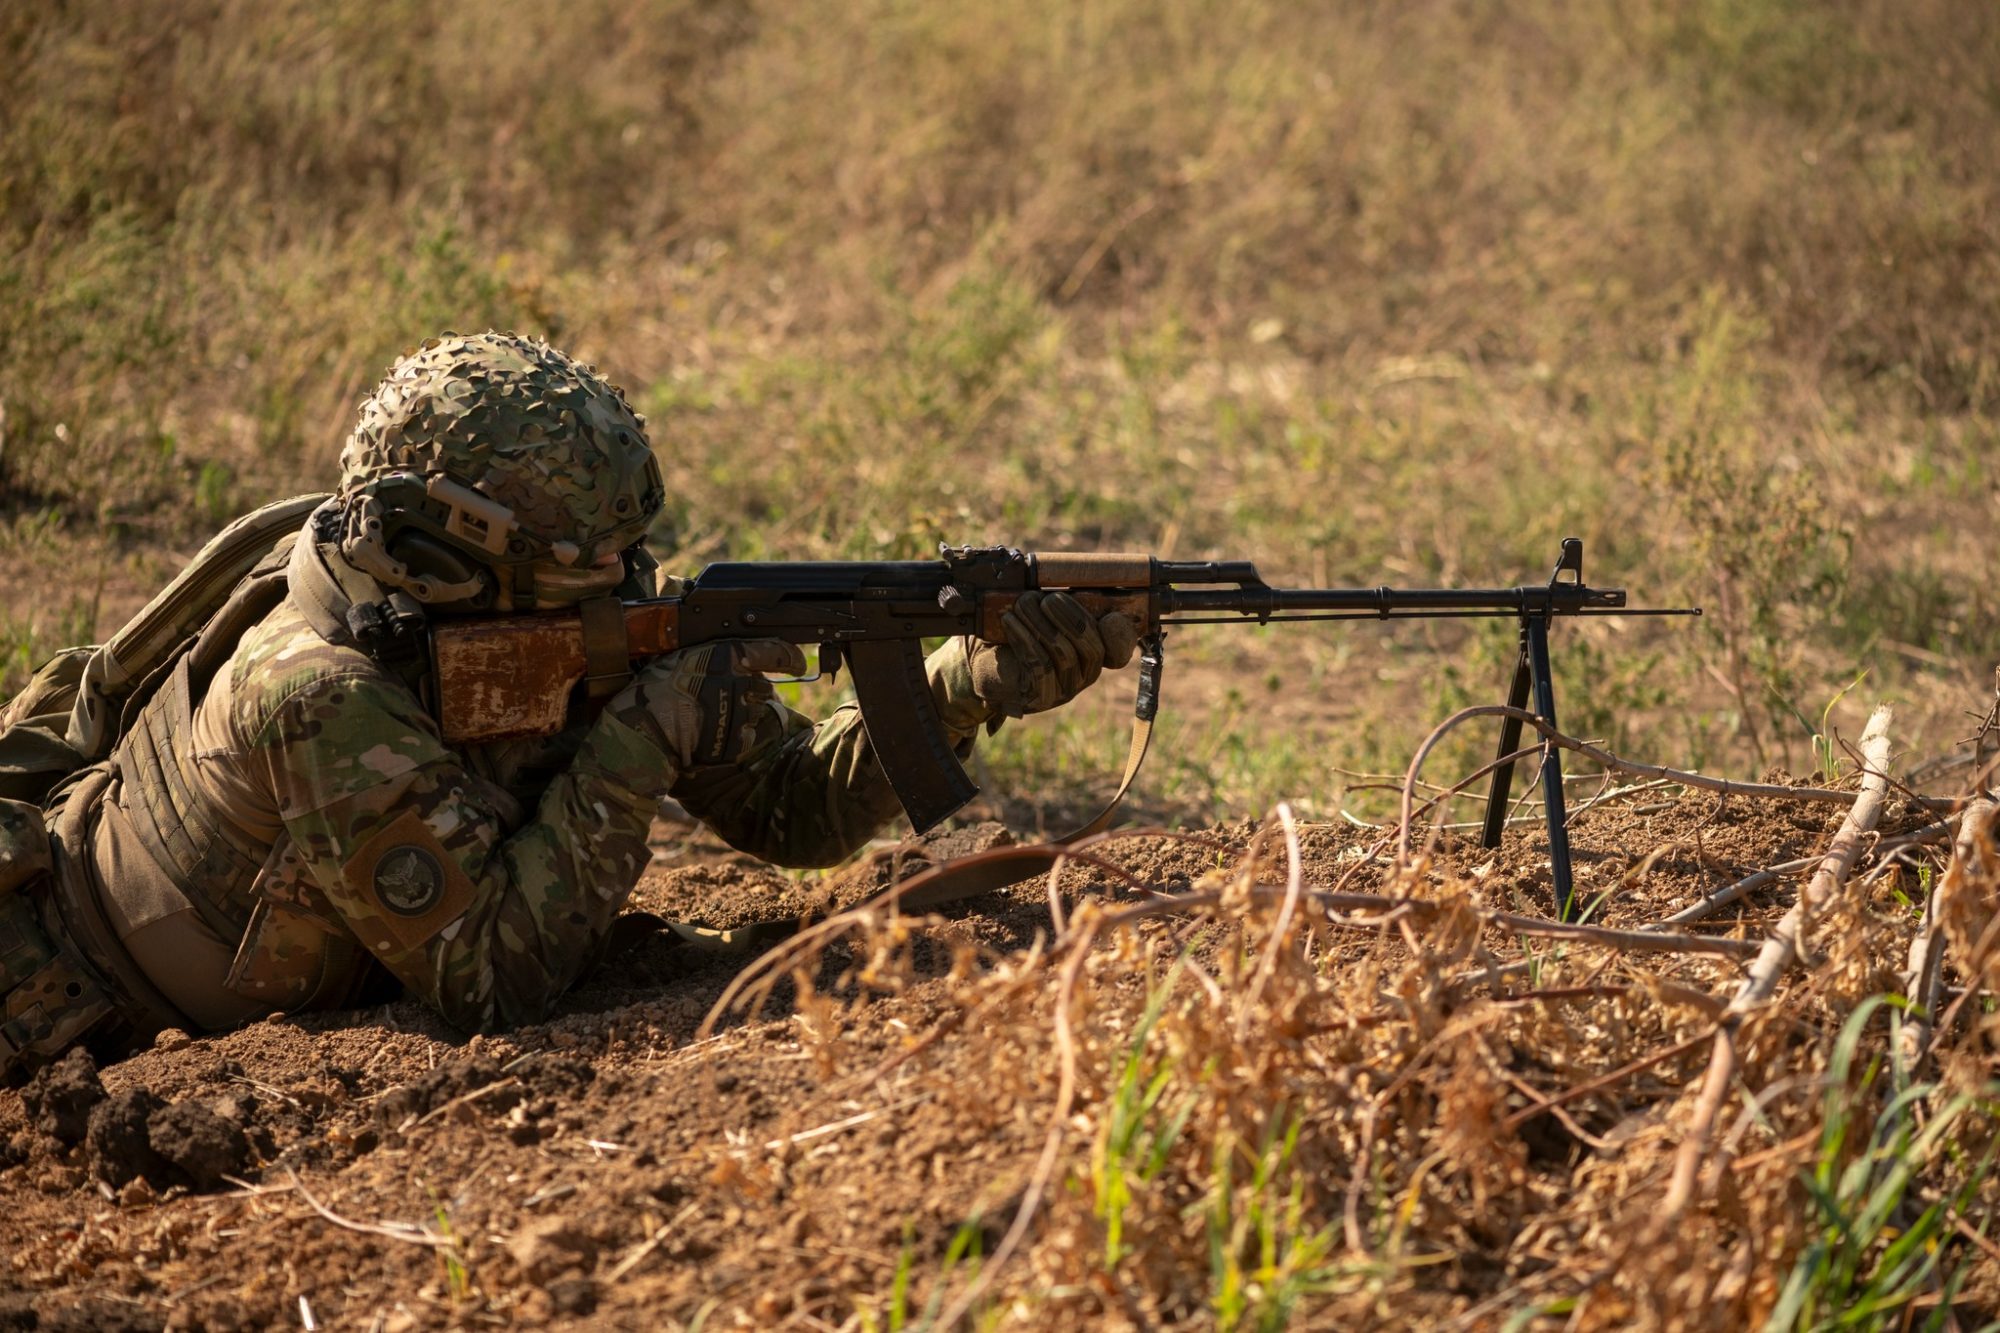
[[483, 879], [283, 817]]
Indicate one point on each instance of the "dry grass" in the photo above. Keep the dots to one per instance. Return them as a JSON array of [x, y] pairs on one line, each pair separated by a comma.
[[1261, 1105]]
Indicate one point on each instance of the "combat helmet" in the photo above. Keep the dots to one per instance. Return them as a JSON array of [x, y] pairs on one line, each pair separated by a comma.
[[493, 472]]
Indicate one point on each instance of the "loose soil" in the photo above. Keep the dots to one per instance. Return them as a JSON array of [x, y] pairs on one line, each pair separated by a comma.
[[607, 1169]]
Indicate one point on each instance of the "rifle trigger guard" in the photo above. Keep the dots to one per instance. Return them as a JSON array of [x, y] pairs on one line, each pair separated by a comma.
[[824, 667]]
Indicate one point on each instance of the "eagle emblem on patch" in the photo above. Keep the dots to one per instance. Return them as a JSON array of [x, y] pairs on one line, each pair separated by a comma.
[[408, 880]]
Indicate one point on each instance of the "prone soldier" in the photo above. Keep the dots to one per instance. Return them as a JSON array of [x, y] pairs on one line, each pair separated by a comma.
[[281, 825]]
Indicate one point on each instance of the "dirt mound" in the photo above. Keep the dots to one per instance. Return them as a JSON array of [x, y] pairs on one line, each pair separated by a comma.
[[1190, 1117]]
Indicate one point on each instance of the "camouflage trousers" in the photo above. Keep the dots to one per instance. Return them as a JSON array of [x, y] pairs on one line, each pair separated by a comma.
[[49, 999]]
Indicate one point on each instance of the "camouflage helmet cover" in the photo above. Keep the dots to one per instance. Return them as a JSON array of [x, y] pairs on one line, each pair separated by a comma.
[[557, 459]]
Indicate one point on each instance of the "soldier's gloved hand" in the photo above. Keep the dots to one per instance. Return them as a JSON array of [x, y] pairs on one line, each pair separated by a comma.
[[1054, 650], [704, 704]]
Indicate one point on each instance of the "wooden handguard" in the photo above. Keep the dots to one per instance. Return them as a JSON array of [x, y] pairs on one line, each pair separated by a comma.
[[1093, 569], [1138, 604], [1126, 578]]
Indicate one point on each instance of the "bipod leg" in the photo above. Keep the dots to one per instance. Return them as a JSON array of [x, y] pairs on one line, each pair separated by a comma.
[[1535, 630], [1510, 741]]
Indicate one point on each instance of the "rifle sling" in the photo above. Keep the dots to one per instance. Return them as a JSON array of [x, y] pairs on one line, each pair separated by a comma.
[[1135, 759], [1145, 707]]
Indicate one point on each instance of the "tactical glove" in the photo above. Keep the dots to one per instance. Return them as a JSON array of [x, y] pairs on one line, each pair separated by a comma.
[[704, 704], [1054, 650]]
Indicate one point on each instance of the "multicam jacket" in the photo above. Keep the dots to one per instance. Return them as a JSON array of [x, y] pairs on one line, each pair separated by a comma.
[[267, 838]]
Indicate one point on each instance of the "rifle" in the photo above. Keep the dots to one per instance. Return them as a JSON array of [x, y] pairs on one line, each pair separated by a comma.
[[514, 676]]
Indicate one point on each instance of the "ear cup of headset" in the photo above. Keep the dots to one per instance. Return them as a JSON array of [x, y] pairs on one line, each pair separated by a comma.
[[437, 565]]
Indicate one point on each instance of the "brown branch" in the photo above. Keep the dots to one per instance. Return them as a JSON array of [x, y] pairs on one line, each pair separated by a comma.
[[1730, 893], [1749, 884], [1633, 941], [1778, 953]]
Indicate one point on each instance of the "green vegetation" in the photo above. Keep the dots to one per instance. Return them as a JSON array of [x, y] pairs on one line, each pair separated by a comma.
[[1881, 1237], [1264, 1258], [961, 1259], [1369, 295], [26, 643], [1137, 1133]]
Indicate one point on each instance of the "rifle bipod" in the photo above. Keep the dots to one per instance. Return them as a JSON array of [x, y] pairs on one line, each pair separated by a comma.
[[1531, 674]]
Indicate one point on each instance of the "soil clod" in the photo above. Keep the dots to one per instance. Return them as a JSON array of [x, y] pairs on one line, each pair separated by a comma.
[[573, 1295], [202, 1145], [547, 1248], [60, 1097], [119, 1146]]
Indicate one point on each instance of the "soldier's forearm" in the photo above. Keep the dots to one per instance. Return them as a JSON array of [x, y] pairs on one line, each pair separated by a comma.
[[557, 883], [813, 794]]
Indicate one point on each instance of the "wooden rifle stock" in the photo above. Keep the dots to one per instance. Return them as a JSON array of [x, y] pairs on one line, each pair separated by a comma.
[[505, 677]]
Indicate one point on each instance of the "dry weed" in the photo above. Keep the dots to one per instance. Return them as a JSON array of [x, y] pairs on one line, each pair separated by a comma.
[[1250, 1112]]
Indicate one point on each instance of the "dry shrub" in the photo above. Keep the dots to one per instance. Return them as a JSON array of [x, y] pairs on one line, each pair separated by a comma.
[[1245, 1115], [1968, 898]]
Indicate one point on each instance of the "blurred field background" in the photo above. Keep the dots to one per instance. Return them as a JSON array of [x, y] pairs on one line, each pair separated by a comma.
[[1369, 293]]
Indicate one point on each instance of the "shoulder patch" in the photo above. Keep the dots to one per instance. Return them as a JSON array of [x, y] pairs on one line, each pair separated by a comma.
[[411, 881], [408, 880]]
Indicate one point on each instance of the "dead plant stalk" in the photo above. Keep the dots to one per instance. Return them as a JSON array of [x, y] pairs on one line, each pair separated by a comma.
[[1923, 977], [1779, 951]]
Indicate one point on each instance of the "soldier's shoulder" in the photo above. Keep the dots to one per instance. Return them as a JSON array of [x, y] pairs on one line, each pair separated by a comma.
[[283, 651], [284, 664]]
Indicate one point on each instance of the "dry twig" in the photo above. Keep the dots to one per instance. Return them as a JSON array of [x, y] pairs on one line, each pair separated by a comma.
[[1923, 976], [648, 1245], [403, 1231], [1964, 904], [1778, 953], [1051, 1154], [1749, 884], [1268, 959], [466, 1099]]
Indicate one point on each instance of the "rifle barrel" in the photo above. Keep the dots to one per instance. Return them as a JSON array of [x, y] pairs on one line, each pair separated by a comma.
[[1267, 602]]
